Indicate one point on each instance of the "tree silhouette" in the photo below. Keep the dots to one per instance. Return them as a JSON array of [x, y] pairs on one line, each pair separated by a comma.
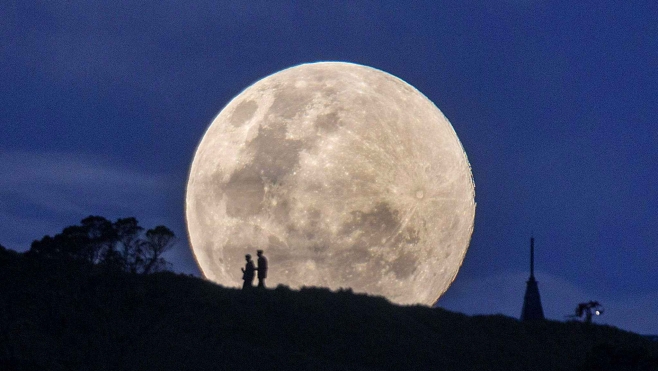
[[99, 245], [129, 243], [121, 244], [71, 243], [158, 241]]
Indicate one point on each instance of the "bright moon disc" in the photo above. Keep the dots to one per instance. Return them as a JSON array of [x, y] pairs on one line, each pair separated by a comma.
[[344, 175]]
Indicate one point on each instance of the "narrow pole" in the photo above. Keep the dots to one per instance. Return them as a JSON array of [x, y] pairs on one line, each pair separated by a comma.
[[532, 257]]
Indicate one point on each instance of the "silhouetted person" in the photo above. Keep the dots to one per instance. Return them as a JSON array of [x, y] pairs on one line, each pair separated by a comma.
[[248, 273], [262, 268]]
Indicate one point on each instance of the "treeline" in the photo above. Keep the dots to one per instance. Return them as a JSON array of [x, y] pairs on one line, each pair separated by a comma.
[[122, 244]]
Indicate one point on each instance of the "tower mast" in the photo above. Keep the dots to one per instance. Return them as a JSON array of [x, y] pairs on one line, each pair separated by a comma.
[[532, 257], [532, 309]]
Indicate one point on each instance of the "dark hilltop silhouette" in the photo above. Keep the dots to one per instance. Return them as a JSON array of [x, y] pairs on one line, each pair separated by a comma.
[[62, 311]]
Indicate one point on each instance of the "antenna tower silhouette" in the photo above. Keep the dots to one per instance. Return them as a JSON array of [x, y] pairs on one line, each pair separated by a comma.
[[532, 309]]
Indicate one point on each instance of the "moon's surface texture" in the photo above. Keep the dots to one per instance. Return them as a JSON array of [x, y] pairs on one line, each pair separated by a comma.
[[345, 176]]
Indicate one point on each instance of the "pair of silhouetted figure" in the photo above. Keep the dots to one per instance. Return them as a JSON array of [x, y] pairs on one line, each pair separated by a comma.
[[249, 269]]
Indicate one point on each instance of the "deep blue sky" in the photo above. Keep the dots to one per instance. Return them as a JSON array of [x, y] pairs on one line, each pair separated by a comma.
[[555, 102]]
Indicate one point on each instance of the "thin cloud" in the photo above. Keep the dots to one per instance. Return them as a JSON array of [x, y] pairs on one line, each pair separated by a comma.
[[42, 189]]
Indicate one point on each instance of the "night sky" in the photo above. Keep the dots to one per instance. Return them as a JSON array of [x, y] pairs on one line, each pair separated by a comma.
[[555, 103]]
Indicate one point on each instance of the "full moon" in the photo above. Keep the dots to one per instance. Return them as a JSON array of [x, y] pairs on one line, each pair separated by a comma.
[[346, 177]]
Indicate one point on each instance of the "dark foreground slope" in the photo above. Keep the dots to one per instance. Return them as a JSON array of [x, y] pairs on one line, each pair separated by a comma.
[[65, 316]]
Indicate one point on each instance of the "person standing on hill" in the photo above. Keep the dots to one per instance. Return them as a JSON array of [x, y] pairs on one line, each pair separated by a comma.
[[262, 269], [248, 273]]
